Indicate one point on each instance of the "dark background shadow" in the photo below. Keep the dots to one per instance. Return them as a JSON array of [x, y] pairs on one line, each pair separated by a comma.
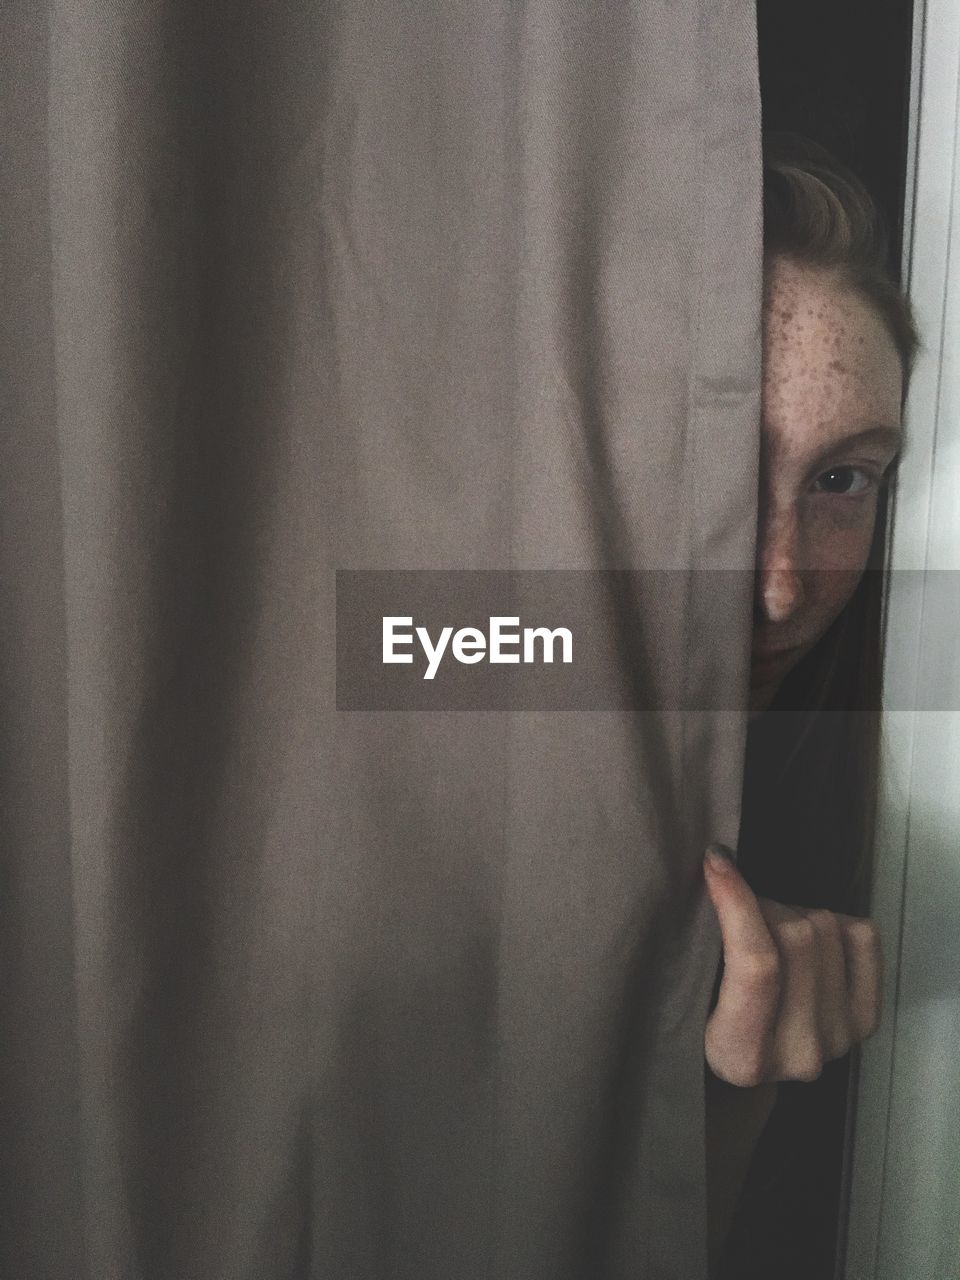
[[838, 72]]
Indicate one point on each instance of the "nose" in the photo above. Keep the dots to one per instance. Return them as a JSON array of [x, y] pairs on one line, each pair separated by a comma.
[[779, 588]]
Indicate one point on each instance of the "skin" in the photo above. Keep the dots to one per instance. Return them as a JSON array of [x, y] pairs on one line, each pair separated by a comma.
[[831, 371], [800, 987]]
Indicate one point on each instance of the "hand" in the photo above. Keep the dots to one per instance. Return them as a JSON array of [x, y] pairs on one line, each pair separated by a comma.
[[800, 986]]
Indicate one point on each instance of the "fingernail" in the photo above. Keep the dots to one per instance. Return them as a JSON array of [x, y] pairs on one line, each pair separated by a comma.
[[720, 857]]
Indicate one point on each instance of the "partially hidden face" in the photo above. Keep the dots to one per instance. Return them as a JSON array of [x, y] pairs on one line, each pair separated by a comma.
[[831, 427]]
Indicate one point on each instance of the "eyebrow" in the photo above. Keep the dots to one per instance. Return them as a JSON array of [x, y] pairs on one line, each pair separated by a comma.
[[881, 434]]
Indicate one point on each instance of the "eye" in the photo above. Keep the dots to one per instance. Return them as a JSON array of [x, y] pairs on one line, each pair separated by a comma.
[[846, 482]]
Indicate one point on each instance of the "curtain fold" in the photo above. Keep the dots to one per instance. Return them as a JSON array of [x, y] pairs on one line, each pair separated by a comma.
[[295, 991]]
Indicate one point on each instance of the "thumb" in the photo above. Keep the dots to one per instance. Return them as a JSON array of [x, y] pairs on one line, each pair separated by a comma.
[[742, 927], [740, 1029]]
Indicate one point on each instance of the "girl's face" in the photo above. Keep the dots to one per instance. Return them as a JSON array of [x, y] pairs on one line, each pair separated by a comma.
[[831, 427]]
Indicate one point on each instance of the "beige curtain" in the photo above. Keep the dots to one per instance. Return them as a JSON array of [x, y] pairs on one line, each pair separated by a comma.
[[292, 288]]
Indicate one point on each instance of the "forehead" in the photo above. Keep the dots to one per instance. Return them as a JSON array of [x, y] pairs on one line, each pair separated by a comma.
[[830, 365]]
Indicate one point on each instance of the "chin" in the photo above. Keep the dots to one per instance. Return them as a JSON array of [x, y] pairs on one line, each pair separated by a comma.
[[770, 682]]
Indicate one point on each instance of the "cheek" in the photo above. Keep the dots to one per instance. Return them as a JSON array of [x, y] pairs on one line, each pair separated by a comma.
[[838, 538], [838, 533]]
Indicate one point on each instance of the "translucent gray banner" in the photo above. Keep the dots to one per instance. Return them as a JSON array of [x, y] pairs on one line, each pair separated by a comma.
[[596, 640]]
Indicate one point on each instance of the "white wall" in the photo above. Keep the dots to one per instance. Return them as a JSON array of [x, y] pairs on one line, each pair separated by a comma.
[[904, 1166]]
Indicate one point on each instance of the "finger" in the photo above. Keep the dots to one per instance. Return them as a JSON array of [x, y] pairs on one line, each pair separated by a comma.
[[739, 1031], [775, 913], [797, 1052], [864, 966], [834, 1015]]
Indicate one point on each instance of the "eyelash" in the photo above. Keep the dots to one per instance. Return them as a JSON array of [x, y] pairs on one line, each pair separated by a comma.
[[873, 481]]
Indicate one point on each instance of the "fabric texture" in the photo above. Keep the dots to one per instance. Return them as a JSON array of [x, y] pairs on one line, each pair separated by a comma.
[[297, 287]]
